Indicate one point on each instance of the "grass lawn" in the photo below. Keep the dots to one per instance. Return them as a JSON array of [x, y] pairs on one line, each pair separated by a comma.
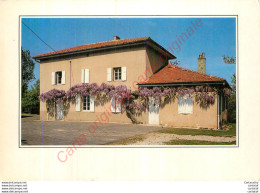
[[197, 142], [181, 131], [23, 115]]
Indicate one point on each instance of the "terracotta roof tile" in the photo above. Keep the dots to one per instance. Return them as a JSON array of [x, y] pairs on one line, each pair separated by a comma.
[[175, 74], [94, 45]]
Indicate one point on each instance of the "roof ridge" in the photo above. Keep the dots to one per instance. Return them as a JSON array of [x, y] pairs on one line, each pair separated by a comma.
[[120, 40]]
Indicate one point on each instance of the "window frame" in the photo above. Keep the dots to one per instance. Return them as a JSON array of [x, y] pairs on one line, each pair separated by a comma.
[[117, 72], [86, 103], [118, 104], [58, 75]]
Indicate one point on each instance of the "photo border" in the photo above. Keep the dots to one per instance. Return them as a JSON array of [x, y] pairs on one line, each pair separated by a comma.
[[127, 16]]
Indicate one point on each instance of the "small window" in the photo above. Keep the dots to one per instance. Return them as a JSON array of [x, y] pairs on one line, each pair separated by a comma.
[[58, 77], [185, 104], [117, 73], [86, 103]]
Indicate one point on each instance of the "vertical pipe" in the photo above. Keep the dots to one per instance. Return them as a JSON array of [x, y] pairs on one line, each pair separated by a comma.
[[221, 109], [70, 73], [218, 112]]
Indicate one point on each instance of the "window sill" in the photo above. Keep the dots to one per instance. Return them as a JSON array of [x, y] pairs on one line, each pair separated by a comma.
[[87, 111], [116, 112]]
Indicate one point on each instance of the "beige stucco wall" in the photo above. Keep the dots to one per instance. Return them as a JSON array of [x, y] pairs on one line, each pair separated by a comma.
[[155, 61], [200, 118], [102, 114], [138, 62], [133, 59]]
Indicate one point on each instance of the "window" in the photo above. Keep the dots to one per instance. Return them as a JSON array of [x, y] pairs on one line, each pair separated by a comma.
[[116, 104], [185, 104], [58, 77], [117, 73], [86, 103]]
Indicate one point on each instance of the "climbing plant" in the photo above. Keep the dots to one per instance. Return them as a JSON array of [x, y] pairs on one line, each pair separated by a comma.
[[137, 100]]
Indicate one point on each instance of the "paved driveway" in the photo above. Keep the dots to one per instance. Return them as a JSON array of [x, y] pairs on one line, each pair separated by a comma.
[[35, 132]]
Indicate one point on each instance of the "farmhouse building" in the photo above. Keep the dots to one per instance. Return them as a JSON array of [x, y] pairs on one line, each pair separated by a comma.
[[139, 64]]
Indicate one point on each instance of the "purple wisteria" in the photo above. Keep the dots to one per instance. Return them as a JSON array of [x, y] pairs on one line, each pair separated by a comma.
[[136, 100], [53, 95]]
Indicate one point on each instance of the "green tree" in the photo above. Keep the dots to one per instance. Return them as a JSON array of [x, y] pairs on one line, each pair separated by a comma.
[[232, 101], [31, 102], [27, 67], [229, 60], [27, 73]]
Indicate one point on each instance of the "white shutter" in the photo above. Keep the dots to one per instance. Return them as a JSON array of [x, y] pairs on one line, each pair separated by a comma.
[[123, 73], [82, 76], [53, 78], [118, 104], [181, 103], [113, 104], [109, 74], [92, 103], [185, 104], [63, 77], [78, 103], [189, 106], [86, 75]]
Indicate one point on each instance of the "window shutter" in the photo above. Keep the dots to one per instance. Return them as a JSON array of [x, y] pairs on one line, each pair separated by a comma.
[[63, 77], [123, 73], [118, 104], [78, 103], [181, 104], [82, 76], [92, 103], [109, 74], [113, 104], [185, 104], [86, 75], [189, 107], [53, 80]]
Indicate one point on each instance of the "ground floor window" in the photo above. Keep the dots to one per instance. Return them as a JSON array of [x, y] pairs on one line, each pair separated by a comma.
[[86, 103], [185, 104], [116, 104]]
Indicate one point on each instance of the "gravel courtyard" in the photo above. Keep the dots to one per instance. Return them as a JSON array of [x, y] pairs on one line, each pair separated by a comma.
[[36, 132]]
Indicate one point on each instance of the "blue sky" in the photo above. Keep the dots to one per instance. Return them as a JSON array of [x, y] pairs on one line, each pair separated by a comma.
[[216, 37]]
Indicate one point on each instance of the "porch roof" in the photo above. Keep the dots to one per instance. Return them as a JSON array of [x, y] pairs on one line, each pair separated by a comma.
[[174, 75]]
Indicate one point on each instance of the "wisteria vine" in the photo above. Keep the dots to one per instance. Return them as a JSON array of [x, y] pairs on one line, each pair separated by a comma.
[[133, 100]]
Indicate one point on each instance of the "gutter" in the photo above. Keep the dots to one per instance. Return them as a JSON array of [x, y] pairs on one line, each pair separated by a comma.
[[183, 84]]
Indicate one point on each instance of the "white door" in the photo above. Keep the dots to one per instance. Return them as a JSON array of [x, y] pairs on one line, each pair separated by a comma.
[[153, 111], [59, 113]]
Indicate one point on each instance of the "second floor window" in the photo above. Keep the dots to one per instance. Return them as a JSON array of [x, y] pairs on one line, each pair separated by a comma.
[[58, 77], [117, 73]]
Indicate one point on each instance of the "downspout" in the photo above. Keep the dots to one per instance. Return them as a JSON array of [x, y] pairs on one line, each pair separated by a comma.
[[70, 73], [218, 113]]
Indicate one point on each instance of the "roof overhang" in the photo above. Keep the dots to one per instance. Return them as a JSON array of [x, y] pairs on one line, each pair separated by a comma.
[[219, 83], [149, 42]]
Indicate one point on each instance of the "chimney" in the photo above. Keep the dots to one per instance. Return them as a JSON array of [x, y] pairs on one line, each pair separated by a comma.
[[202, 63], [116, 38]]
